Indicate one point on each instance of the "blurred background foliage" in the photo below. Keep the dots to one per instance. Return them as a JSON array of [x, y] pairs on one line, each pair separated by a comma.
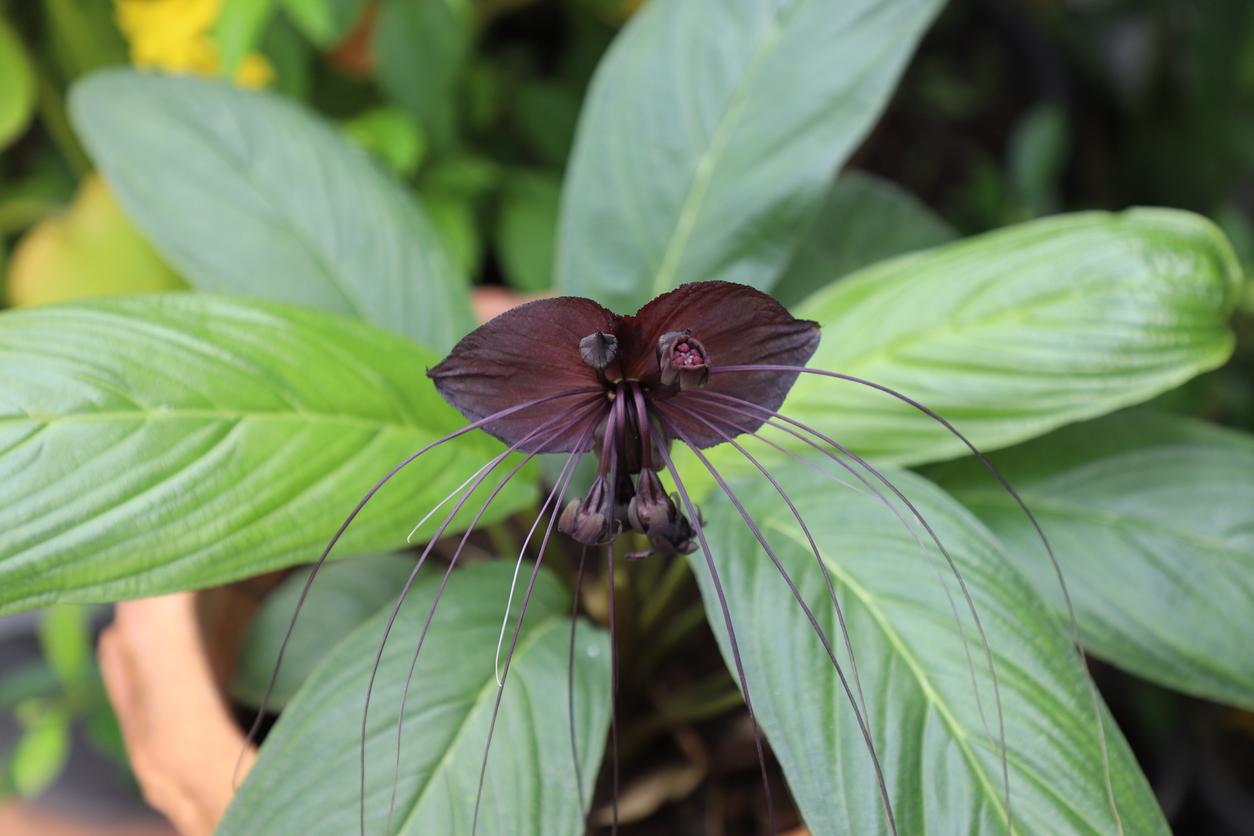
[[1010, 110]]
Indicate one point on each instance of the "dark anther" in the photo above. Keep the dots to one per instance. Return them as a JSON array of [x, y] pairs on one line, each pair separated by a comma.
[[598, 350], [682, 359], [591, 520], [657, 515]]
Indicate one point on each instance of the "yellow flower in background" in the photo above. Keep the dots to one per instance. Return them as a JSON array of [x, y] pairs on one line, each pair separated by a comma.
[[176, 36]]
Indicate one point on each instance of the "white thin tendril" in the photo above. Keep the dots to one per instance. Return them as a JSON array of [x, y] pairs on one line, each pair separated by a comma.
[[409, 538]]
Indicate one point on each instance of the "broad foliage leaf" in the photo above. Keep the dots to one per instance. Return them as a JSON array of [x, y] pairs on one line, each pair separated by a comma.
[[1016, 332], [306, 779], [1152, 518], [344, 595], [162, 442], [246, 192], [864, 219], [938, 745], [710, 132]]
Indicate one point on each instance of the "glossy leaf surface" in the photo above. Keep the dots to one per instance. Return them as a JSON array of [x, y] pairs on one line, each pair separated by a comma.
[[162, 442]]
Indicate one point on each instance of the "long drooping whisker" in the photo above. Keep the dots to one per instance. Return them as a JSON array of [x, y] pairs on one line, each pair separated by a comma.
[[570, 676], [1023, 506], [409, 538], [867, 489], [522, 551], [827, 575], [609, 559], [590, 407], [322, 558], [695, 519], [513, 645], [953, 567], [796, 593], [422, 636]]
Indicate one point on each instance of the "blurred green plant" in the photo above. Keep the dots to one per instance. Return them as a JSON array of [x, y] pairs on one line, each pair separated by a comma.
[[53, 696]]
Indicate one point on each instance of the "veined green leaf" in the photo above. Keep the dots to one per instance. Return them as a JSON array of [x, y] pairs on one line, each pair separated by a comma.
[[711, 131], [245, 192], [154, 443], [306, 779], [344, 595], [1149, 515], [1014, 333], [939, 747], [864, 219]]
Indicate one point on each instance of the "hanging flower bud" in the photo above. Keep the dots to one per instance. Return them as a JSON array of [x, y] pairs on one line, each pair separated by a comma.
[[591, 520], [657, 515], [682, 359]]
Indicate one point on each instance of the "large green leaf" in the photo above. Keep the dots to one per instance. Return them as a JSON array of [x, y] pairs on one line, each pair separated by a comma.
[[1150, 515], [1016, 332], [941, 760], [344, 596], [245, 192], [161, 442], [864, 219], [711, 131], [306, 780]]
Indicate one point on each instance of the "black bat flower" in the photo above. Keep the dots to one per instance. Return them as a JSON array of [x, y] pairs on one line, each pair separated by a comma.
[[702, 365], [649, 375]]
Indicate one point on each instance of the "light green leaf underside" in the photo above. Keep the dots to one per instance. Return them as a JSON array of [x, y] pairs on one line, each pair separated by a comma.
[[245, 192], [306, 780], [163, 442], [1152, 517], [1014, 333], [705, 158], [863, 219], [941, 764]]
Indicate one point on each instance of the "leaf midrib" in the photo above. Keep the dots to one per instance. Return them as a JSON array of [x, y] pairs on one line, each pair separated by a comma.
[[707, 164], [960, 736], [305, 417]]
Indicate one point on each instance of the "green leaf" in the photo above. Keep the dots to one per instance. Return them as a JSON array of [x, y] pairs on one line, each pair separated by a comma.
[[1019, 331], [66, 641], [83, 35], [306, 779], [391, 135], [90, 249], [248, 193], [41, 753], [864, 219], [324, 21], [163, 442], [1149, 514], [238, 30], [17, 86], [941, 760], [526, 229], [1038, 153], [421, 49], [710, 133], [344, 596]]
